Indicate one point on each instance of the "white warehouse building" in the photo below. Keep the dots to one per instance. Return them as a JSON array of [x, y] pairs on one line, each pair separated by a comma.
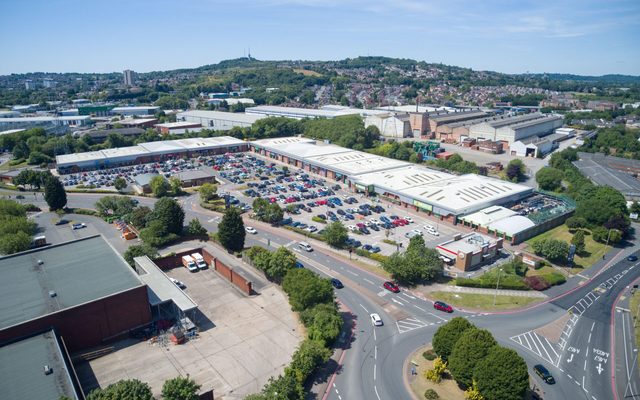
[[510, 129], [218, 120], [390, 125]]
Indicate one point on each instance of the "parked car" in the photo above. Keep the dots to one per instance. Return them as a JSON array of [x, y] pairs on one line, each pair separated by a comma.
[[251, 230], [62, 222], [78, 226], [442, 306], [178, 283], [336, 283], [544, 374], [299, 264], [376, 320], [392, 287]]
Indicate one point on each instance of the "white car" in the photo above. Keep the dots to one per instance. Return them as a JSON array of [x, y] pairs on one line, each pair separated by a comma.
[[428, 227], [305, 246], [251, 230], [409, 219], [178, 283], [311, 228], [433, 232], [417, 231], [376, 320], [352, 228]]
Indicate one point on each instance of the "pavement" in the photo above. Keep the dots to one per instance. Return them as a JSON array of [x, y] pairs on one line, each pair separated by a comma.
[[437, 287]]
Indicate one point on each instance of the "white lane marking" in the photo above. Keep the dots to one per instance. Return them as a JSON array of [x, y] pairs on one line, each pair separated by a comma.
[[352, 273], [440, 318], [374, 371], [419, 308], [409, 296], [365, 310], [375, 388], [375, 353], [374, 335], [368, 281], [551, 347], [589, 340], [396, 301], [585, 365]]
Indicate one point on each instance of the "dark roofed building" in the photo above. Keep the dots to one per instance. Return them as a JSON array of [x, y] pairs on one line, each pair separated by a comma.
[[84, 289], [195, 177], [38, 367], [101, 135]]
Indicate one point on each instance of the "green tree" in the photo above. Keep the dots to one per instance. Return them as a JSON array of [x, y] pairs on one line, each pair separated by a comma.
[[515, 170], [120, 183], [21, 151], [159, 186], [549, 178], [195, 228], [231, 231], [207, 191], [130, 389], [14, 243], [267, 212], [469, 350], [176, 185], [578, 241], [180, 388], [417, 264], [280, 262], [54, 194], [305, 289], [310, 354], [115, 205], [502, 375], [170, 213], [574, 223], [336, 234], [325, 326], [139, 250], [447, 336], [551, 249], [284, 387], [139, 216]]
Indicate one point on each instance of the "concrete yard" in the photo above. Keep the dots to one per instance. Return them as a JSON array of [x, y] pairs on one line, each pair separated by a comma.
[[243, 341]]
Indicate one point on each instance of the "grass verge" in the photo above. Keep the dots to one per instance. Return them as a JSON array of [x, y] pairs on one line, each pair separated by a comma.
[[593, 250], [483, 301], [634, 303]]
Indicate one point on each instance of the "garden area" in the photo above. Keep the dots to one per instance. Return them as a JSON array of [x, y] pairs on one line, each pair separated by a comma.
[[483, 301]]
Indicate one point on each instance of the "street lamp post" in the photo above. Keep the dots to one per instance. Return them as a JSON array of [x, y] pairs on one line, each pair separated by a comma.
[[497, 285], [635, 360]]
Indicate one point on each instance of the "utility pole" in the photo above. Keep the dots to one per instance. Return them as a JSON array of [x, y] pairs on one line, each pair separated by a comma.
[[497, 285]]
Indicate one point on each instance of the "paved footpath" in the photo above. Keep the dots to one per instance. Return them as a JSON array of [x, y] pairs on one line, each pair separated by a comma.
[[461, 289]]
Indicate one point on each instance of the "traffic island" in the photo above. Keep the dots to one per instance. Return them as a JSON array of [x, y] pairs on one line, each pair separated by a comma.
[[415, 369]]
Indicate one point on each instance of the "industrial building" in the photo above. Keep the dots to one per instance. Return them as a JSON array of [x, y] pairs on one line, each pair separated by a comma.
[[218, 120], [84, 289], [148, 152], [391, 125], [469, 251], [135, 111], [101, 135], [9, 114], [329, 111], [437, 119], [420, 188], [38, 367], [51, 124], [178, 128], [509, 129]]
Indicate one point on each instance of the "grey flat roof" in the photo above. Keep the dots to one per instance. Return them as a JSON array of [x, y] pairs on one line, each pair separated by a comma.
[[452, 116], [194, 174], [22, 370], [78, 272], [160, 288]]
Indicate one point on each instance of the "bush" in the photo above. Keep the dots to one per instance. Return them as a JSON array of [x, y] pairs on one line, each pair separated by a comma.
[[317, 219], [374, 256], [431, 394], [554, 278], [429, 355], [510, 283], [435, 374], [537, 283]]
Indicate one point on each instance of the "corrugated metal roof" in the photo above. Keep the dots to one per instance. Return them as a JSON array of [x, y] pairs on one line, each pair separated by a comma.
[[160, 288]]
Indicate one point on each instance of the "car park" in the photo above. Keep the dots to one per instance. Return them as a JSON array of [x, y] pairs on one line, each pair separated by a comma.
[[442, 306], [376, 320], [392, 287], [544, 374]]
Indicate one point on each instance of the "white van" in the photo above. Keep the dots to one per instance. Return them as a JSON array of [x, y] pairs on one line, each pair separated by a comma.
[[189, 263], [197, 257]]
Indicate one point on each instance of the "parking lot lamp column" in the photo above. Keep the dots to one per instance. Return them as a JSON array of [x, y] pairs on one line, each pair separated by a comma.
[[497, 285]]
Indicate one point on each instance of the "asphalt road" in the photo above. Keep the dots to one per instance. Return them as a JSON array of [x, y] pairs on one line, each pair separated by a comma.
[[584, 357]]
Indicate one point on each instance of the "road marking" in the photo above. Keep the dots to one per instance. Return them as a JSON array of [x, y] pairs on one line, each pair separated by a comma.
[[409, 296], [375, 353], [365, 310], [396, 301], [352, 273], [375, 338], [375, 388], [543, 348], [622, 309], [374, 371], [440, 318], [570, 377], [589, 340], [599, 369], [368, 281], [410, 324], [585, 365], [419, 308]]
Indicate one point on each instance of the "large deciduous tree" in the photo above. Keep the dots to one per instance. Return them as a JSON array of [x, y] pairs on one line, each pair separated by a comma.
[[447, 336], [502, 375], [54, 194], [170, 213], [469, 350], [231, 231]]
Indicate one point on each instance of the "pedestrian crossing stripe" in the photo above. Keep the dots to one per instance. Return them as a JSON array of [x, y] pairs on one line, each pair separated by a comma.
[[409, 324]]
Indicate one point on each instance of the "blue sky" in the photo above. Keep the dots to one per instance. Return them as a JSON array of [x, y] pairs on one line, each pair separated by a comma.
[[582, 37]]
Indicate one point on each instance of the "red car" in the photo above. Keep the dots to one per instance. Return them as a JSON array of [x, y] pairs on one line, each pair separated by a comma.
[[439, 305], [392, 287]]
